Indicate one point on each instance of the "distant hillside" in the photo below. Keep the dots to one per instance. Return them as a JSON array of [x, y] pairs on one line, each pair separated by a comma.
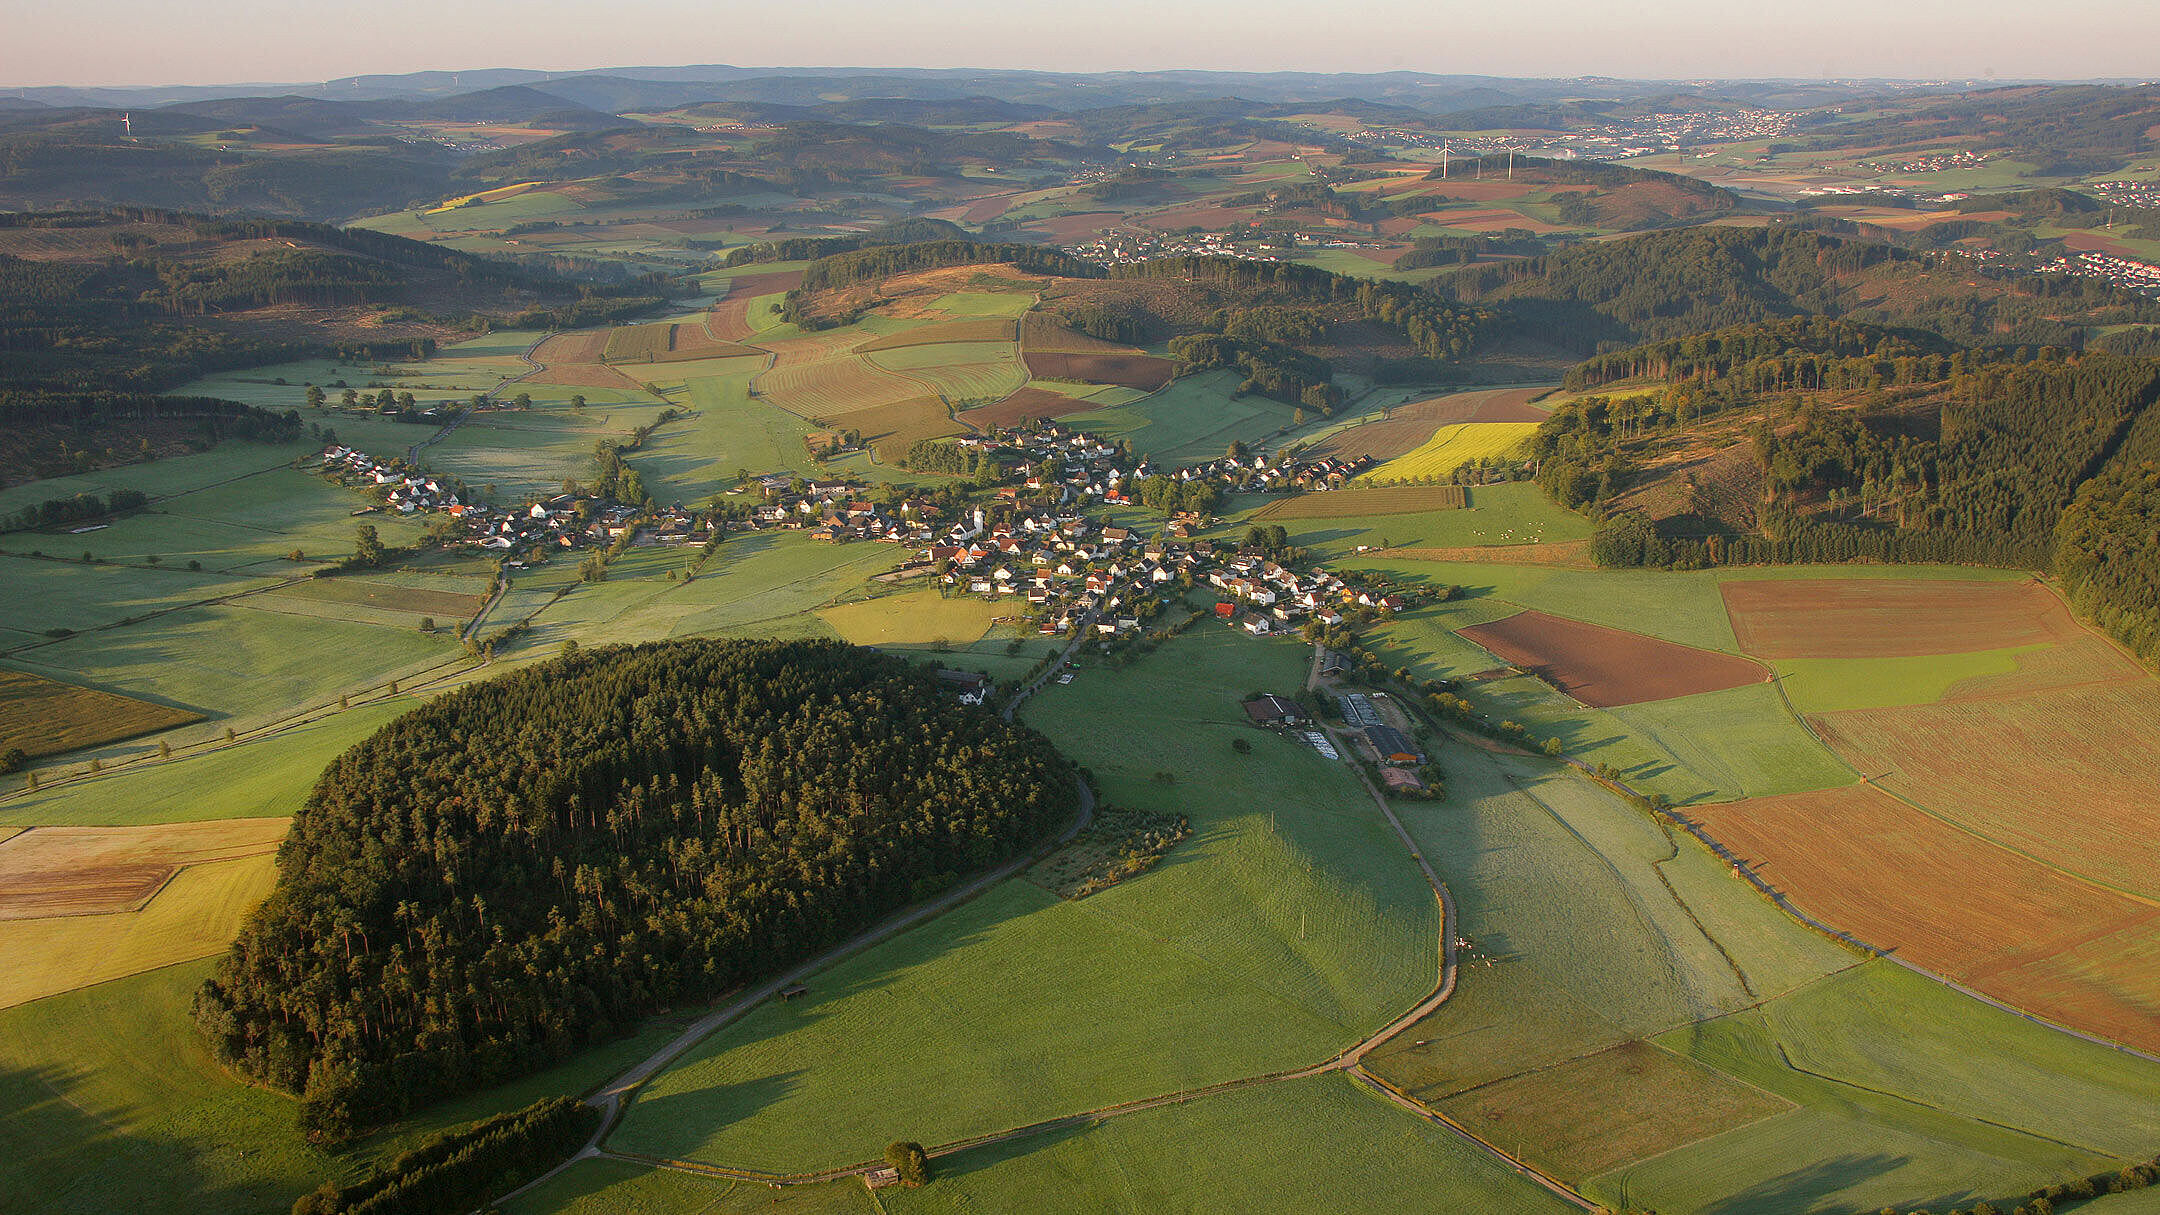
[[2064, 130], [1612, 294], [140, 300], [74, 158]]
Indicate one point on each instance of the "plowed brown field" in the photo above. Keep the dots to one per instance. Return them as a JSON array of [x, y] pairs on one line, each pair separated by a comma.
[[1866, 863], [64, 871], [1892, 617], [2064, 775], [1605, 668], [1144, 372]]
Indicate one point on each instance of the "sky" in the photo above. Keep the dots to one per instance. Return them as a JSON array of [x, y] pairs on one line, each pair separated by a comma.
[[156, 42]]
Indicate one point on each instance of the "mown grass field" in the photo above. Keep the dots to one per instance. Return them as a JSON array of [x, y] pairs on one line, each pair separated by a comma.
[[1193, 420], [960, 370], [1285, 927], [109, 1101], [767, 583], [1601, 931], [601, 1186], [249, 524], [698, 456], [983, 303], [46, 717], [916, 618], [1321, 1144], [1500, 516], [239, 665], [269, 776]]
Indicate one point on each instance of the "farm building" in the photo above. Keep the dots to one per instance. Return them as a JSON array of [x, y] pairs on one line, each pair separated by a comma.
[[971, 687], [1393, 746], [1332, 663], [1274, 711], [1402, 778]]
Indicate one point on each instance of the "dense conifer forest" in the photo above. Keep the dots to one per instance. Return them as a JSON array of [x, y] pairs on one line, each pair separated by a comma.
[[531, 864]]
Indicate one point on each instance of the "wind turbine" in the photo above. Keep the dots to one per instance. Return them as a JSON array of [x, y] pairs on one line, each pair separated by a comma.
[[127, 125]]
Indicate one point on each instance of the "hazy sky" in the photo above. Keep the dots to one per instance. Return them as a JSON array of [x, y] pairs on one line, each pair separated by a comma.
[[224, 41]]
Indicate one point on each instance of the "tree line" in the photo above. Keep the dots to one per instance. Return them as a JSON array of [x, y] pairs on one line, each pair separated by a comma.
[[459, 1169], [530, 865]]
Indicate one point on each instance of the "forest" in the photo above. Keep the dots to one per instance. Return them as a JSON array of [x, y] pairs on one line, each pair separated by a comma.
[[1605, 296], [2044, 461], [531, 864]]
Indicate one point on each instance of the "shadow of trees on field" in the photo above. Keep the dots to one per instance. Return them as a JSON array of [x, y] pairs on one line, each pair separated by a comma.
[[1804, 1189]]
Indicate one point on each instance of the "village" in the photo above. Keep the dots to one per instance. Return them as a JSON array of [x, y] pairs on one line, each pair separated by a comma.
[[1033, 540], [2125, 272]]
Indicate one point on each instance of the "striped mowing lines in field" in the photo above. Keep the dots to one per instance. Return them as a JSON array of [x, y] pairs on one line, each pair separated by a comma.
[[47, 717], [640, 343], [821, 378], [960, 371], [979, 329]]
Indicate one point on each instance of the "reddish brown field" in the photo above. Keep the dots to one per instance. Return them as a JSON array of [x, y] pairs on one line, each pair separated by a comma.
[[60, 871], [584, 346], [698, 342], [1144, 372], [1865, 863], [1367, 500], [729, 319], [1492, 219], [1028, 403], [1563, 554], [1409, 426], [2099, 242], [983, 210], [1891, 617], [1605, 668], [2066, 776]]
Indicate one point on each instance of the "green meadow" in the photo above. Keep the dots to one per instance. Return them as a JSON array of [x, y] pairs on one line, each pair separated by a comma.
[[1287, 927]]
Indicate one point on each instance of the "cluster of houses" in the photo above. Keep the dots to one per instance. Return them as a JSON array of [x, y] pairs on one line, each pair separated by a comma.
[[2125, 272], [1035, 542], [1266, 597], [404, 492], [565, 521]]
